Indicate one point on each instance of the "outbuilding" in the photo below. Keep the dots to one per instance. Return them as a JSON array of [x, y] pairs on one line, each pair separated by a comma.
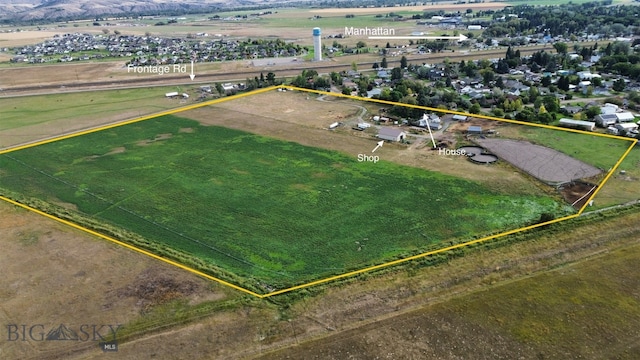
[[392, 134], [627, 127], [624, 116], [474, 130], [578, 124]]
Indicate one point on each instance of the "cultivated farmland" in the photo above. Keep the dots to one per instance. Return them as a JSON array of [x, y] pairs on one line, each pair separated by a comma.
[[261, 212]]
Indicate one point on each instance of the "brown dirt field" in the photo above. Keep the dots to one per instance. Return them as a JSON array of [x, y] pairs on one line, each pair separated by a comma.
[[299, 117], [575, 191], [53, 275], [11, 39], [461, 127], [25, 75], [21, 75]]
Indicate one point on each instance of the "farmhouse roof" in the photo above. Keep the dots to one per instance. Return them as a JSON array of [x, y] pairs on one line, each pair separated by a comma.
[[607, 117], [572, 109]]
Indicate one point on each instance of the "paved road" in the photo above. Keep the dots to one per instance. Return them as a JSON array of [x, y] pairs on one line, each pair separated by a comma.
[[207, 78]]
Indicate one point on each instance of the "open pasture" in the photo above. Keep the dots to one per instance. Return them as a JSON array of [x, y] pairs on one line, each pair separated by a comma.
[[260, 212], [30, 118]]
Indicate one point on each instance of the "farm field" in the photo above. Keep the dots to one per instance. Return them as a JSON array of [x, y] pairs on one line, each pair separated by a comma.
[[29, 118], [70, 267], [624, 185], [261, 212], [587, 309]]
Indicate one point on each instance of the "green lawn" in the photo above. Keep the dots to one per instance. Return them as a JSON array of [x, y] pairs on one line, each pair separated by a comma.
[[29, 118], [269, 212]]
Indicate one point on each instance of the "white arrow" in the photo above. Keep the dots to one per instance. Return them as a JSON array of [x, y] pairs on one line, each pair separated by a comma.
[[433, 141], [192, 75], [380, 143], [458, 38]]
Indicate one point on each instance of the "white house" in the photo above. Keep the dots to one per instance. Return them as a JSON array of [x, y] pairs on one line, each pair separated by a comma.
[[605, 120], [608, 109], [430, 120], [587, 75], [583, 85]]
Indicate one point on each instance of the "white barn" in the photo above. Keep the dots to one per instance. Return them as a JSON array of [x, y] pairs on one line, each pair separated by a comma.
[[578, 124], [392, 134]]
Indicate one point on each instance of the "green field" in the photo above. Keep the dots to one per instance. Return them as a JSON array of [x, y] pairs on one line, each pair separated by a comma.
[[31, 110], [28, 118], [256, 210]]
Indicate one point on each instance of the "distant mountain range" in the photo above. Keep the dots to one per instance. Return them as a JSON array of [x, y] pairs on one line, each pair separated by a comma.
[[20, 11]]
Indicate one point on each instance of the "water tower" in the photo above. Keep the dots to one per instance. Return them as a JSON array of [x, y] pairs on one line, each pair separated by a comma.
[[317, 44]]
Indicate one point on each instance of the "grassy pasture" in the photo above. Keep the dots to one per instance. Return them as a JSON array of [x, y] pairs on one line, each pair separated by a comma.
[[269, 211], [622, 187], [28, 118]]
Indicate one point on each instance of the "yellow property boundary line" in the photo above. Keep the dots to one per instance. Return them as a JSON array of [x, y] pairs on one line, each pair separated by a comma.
[[332, 278]]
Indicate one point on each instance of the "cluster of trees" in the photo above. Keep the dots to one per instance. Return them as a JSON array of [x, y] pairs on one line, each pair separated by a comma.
[[619, 59], [262, 81], [565, 20], [310, 79], [414, 92]]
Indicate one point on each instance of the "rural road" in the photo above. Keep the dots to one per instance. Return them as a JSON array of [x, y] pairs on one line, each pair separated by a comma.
[[75, 85]]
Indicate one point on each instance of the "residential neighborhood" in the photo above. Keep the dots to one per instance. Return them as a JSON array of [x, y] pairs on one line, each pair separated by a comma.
[[151, 50]]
